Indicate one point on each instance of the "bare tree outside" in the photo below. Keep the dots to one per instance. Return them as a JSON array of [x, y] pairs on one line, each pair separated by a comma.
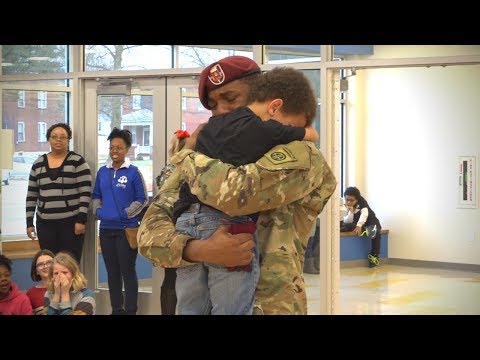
[[34, 59], [108, 58], [203, 55]]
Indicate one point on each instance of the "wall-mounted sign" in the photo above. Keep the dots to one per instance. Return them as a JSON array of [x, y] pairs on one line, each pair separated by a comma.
[[467, 182]]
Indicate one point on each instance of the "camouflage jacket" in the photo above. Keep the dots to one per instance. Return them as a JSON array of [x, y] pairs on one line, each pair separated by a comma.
[[289, 185]]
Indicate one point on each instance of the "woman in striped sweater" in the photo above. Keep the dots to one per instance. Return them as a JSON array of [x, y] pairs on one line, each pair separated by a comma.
[[59, 190]]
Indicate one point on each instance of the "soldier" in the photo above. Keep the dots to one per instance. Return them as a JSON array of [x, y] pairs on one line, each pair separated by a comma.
[[289, 185]]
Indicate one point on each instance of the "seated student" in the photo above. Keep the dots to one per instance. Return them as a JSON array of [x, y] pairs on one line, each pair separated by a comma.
[[361, 215], [41, 263], [12, 300], [278, 99], [67, 293]]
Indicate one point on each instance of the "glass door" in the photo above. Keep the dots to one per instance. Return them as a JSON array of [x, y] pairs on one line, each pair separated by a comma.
[[137, 105], [152, 109]]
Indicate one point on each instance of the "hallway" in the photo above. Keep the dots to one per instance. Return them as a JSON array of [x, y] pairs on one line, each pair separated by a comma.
[[400, 290]]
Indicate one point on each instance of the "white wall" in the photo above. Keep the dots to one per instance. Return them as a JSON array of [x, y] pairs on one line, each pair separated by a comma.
[[409, 128]]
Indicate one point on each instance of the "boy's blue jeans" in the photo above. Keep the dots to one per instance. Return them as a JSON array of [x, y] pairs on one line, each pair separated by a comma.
[[206, 288]]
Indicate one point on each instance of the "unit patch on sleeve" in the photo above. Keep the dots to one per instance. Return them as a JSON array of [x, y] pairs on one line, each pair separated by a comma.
[[280, 155]]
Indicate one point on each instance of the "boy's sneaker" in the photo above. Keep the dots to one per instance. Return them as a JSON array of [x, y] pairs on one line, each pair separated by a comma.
[[373, 260]]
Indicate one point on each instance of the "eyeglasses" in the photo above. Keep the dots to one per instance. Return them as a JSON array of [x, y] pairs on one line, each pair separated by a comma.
[[41, 265], [116, 148], [59, 137]]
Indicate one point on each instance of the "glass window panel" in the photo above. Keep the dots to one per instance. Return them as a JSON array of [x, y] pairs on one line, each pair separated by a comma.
[[136, 105], [21, 131], [127, 57], [35, 84], [194, 113], [353, 52], [203, 55], [34, 59], [42, 132], [314, 77], [29, 125], [284, 54], [21, 99], [42, 99]]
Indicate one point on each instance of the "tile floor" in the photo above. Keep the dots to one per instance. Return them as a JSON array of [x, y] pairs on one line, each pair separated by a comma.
[[400, 290]]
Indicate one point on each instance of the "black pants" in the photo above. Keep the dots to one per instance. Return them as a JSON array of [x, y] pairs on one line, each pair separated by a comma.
[[168, 295], [59, 235], [170, 278], [375, 250], [120, 261], [313, 245]]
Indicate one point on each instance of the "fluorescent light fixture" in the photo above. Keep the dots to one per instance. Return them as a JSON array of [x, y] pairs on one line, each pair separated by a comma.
[[7, 64]]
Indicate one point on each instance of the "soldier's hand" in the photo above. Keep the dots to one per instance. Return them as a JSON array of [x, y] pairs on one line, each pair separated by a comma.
[[222, 249]]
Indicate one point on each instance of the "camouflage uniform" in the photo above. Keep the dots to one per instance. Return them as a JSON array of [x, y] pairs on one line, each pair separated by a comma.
[[289, 185]]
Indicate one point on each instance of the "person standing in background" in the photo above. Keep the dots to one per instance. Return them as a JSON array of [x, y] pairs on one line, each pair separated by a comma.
[[12, 300], [59, 190], [118, 197], [362, 216], [41, 263], [168, 295]]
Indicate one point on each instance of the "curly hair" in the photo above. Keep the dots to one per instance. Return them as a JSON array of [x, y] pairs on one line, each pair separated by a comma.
[[33, 271], [6, 262], [124, 134], [352, 191], [65, 259], [290, 85], [59, 125]]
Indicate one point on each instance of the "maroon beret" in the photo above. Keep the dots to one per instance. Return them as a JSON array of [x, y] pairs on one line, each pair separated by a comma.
[[222, 72]]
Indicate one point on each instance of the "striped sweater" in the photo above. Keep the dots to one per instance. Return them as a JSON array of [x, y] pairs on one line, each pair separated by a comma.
[[67, 195]]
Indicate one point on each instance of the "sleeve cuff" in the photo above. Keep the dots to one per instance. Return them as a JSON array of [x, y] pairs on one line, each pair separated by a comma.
[[82, 218], [54, 305], [65, 305]]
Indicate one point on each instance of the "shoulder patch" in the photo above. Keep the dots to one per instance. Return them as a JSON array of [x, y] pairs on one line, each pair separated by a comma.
[[280, 155], [295, 155]]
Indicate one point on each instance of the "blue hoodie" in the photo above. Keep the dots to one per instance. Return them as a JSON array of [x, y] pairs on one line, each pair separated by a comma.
[[119, 196]]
